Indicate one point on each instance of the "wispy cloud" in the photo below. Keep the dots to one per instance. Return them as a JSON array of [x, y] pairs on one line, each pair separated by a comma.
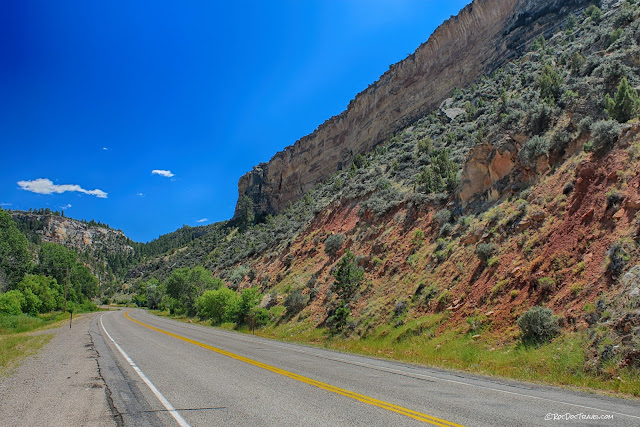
[[164, 173], [67, 206], [140, 195], [105, 149], [203, 220], [5, 204], [46, 186]]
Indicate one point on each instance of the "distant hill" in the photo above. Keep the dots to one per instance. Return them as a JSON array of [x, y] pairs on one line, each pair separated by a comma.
[[109, 252]]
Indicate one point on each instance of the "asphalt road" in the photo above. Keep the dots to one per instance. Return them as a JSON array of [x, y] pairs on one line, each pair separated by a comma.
[[206, 377]]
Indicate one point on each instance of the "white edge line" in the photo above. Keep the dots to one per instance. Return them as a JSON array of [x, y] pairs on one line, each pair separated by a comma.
[[176, 415], [292, 346]]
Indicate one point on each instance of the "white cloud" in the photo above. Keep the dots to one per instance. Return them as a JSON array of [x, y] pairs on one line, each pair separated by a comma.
[[5, 204], [140, 195], [203, 220], [68, 205], [105, 149], [164, 173], [46, 186]]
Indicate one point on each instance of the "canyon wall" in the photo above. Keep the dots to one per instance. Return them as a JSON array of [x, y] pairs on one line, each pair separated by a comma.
[[481, 38]]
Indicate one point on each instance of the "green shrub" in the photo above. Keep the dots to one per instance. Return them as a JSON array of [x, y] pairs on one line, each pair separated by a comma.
[[485, 251], [261, 317], [493, 262], [440, 175], [571, 23], [49, 294], [431, 292], [11, 302], [619, 256], [443, 216], [540, 118], [538, 326], [444, 298], [333, 243], [219, 305], [546, 284], [577, 62], [533, 149], [500, 287], [585, 124], [425, 146], [249, 298], [295, 302], [604, 134], [614, 197], [418, 237], [445, 230], [594, 13]]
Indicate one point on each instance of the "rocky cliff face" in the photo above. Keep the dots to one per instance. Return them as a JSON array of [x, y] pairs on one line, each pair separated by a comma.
[[482, 37], [73, 233]]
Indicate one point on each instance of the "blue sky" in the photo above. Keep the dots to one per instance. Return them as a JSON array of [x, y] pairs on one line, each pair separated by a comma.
[[144, 114]]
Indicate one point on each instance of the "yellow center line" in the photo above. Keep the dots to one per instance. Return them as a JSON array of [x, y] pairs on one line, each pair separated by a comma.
[[360, 397]]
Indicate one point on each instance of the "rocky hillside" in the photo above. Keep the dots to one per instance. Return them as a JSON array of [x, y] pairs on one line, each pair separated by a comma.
[[109, 252], [72, 233], [480, 39], [520, 190]]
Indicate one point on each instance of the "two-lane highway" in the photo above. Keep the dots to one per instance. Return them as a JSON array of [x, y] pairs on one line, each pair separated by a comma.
[[162, 372]]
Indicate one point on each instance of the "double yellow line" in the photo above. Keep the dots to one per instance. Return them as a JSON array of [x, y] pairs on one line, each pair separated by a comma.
[[360, 397]]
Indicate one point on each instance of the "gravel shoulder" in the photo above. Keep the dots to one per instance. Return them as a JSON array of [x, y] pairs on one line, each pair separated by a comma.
[[59, 386]]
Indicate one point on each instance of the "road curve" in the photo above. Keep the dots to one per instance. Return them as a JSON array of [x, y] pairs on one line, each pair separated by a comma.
[[163, 372]]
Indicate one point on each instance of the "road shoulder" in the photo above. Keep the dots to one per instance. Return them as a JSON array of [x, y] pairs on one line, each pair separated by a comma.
[[60, 385]]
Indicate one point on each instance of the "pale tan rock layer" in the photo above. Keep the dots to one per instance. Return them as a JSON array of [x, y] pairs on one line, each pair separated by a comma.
[[483, 36]]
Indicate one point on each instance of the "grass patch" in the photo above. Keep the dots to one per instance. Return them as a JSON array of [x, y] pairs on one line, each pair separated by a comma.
[[16, 342], [15, 348], [10, 324], [560, 362]]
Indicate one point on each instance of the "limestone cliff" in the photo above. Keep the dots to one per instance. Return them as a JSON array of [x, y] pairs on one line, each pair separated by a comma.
[[73, 233], [482, 37]]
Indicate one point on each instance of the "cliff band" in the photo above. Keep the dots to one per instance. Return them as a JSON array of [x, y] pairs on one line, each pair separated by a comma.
[[481, 38]]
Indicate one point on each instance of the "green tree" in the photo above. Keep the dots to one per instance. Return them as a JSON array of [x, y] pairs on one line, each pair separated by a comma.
[[32, 303], [348, 276], [154, 294], [83, 281], [55, 260], [218, 305], [625, 105], [11, 302], [245, 214], [204, 279], [550, 83], [339, 319], [441, 174], [249, 298], [15, 259], [185, 285], [180, 288], [48, 291]]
